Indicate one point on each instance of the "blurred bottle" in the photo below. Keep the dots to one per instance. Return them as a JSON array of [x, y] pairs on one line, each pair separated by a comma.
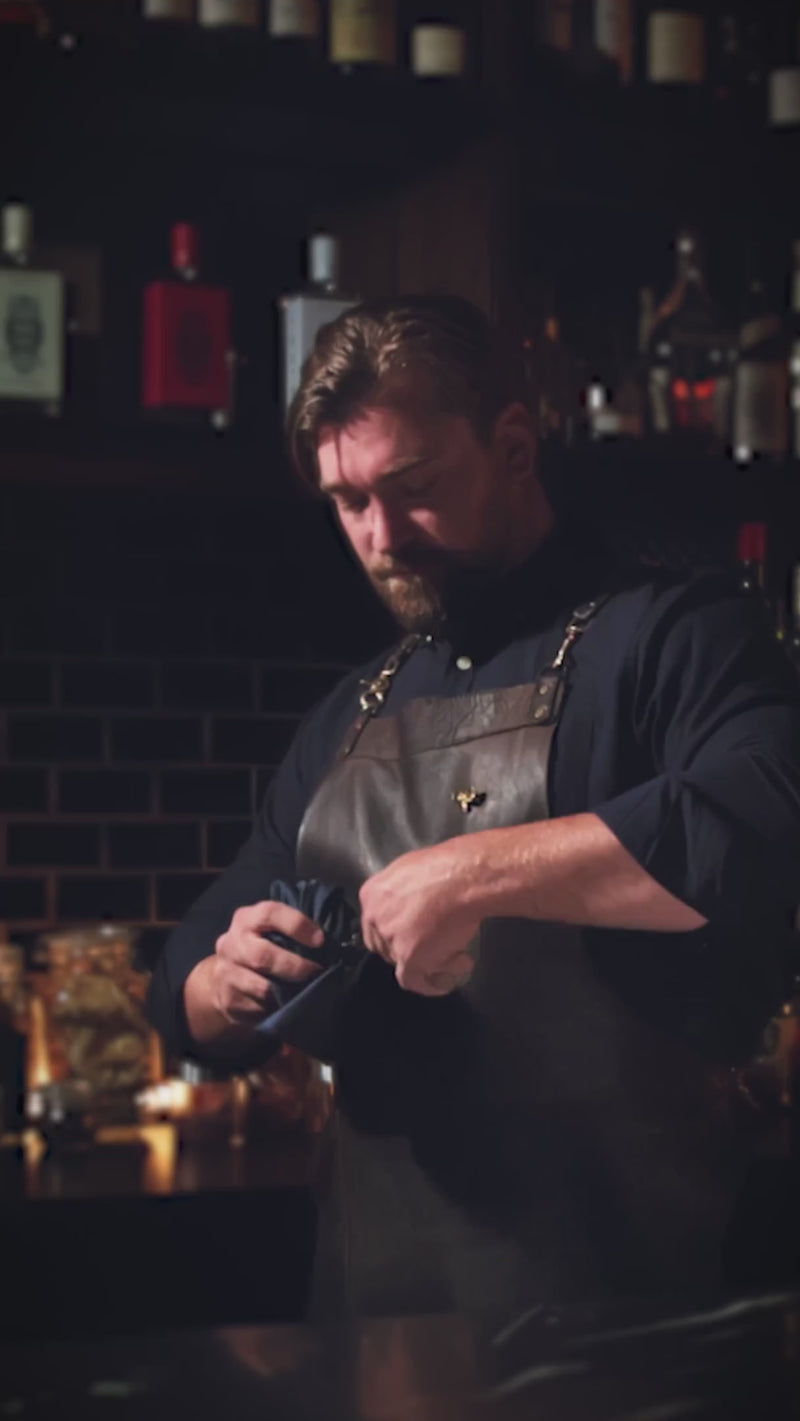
[[187, 356], [229, 14], [783, 81], [673, 43], [689, 357], [303, 312], [551, 375], [438, 43], [295, 26], [166, 13], [363, 35], [751, 551], [32, 322], [760, 385], [612, 35]]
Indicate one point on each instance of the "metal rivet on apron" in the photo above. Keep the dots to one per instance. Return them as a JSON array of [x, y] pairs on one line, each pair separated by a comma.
[[464, 663], [543, 688], [540, 713]]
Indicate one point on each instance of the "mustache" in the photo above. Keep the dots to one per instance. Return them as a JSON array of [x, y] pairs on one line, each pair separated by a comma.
[[385, 571]]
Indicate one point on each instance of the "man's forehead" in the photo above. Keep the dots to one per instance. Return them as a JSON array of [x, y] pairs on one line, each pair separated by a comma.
[[377, 443]]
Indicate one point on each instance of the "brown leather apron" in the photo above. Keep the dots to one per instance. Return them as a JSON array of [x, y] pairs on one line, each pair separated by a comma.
[[527, 1138]]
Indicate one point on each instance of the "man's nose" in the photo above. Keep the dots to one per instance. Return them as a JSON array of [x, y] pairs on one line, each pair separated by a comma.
[[389, 528]]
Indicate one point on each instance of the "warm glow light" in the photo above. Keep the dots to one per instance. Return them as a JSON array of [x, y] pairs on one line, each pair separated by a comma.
[[172, 1097], [38, 1068], [161, 1142]]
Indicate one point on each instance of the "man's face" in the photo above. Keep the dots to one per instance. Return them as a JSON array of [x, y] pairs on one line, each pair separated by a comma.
[[425, 505]]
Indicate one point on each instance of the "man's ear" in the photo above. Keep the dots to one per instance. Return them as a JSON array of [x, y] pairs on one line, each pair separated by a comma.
[[514, 441]]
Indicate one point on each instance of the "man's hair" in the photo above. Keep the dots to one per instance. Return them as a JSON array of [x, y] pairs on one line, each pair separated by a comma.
[[442, 346]]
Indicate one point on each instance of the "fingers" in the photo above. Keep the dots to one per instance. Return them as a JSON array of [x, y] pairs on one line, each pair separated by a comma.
[[244, 945], [268, 915], [241, 995], [376, 942], [449, 977]]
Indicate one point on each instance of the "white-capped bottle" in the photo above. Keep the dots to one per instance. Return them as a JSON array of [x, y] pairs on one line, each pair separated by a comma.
[[303, 312], [32, 320], [438, 45], [229, 14], [363, 34], [294, 19], [783, 81], [675, 44]]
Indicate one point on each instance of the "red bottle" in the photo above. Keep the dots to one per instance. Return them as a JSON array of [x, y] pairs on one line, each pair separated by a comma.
[[187, 356], [751, 551]]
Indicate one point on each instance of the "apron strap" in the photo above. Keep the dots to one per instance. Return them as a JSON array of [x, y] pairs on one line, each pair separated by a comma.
[[374, 692], [548, 690], [551, 683]]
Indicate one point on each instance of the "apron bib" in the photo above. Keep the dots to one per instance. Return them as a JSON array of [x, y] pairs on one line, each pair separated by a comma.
[[527, 1138]]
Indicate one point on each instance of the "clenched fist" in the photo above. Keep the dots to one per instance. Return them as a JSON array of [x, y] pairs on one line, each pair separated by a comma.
[[232, 988]]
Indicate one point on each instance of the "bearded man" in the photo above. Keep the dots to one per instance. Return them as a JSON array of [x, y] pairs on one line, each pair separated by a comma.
[[567, 810]]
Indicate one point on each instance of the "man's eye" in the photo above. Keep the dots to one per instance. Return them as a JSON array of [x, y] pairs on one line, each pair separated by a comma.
[[419, 490], [350, 505]]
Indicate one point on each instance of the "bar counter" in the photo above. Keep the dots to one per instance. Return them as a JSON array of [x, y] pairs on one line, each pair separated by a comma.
[[155, 1225]]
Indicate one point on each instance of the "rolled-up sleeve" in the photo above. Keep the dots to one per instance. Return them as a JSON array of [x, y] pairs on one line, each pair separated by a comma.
[[715, 708]]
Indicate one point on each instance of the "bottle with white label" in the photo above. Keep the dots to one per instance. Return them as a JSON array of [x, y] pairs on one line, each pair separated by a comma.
[[229, 14], [32, 322], [438, 45], [363, 34], [783, 80], [303, 312], [674, 43], [760, 385]]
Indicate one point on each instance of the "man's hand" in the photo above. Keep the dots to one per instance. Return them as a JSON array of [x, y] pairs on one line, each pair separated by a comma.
[[232, 988], [417, 913]]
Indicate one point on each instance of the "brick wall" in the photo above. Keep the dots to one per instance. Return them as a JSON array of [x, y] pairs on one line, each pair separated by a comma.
[[158, 650]]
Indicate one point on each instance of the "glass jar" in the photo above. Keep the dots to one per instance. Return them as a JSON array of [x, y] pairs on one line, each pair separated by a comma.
[[89, 1032]]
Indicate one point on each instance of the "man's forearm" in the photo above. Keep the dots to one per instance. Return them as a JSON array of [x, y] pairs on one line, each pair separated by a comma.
[[571, 870]]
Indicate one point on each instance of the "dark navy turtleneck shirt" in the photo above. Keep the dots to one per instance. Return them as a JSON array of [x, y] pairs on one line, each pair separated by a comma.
[[680, 730]]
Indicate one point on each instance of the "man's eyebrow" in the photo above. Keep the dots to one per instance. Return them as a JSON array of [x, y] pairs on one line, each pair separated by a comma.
[[330, 490]]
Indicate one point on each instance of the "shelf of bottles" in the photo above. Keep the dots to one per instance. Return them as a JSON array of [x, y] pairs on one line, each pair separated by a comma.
[[698, 434], [303, 37], [737, 54]]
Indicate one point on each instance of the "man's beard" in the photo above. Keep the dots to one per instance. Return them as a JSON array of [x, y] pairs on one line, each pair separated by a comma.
[[423, 601], [413, 599]]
